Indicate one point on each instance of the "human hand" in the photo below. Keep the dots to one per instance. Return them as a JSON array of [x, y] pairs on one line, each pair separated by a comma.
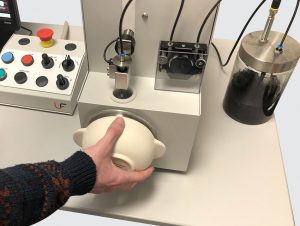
[[110, 177]]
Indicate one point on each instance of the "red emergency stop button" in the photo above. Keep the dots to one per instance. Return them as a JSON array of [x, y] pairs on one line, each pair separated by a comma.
[[46, 35], [27, 60]]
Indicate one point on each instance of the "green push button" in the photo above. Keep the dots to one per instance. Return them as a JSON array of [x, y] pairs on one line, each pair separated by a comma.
[[2, 74]]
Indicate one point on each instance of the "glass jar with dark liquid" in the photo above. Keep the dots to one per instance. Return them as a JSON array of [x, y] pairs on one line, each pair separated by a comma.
[[259, 77]]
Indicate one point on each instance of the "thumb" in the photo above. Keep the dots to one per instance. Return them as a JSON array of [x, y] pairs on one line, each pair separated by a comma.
[[113, 133]]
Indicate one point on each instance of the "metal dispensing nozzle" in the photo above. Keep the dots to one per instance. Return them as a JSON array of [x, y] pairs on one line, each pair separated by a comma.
[[273, 11]]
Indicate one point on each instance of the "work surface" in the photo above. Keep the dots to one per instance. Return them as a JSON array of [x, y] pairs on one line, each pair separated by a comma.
[[235, 178]]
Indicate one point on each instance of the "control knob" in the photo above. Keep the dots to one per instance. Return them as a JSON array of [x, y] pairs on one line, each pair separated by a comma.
[[163, 59], [47, 61], [68, 64], [200, 62], [62, 82]]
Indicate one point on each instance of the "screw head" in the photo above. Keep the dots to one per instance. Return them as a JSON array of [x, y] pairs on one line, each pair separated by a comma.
[[145, 15]]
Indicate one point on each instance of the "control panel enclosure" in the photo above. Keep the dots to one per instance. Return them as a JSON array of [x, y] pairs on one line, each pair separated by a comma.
[[48, 79]]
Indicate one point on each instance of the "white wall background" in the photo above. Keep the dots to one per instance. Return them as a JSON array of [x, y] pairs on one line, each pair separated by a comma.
[[232, 16], [52, 12]]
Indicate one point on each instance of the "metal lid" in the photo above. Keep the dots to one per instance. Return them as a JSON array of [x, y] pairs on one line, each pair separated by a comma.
[[262, 56]]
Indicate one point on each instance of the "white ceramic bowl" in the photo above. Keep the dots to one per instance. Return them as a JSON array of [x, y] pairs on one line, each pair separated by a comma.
[[134, 150]]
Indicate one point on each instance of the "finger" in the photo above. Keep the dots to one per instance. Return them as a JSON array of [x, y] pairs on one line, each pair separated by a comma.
[[134, 177], [113, 132]]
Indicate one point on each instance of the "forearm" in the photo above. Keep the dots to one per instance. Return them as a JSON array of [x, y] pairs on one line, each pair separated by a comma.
[[31, 192]]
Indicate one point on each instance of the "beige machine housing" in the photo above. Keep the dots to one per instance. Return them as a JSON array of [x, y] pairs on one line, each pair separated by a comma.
[[173, 115]]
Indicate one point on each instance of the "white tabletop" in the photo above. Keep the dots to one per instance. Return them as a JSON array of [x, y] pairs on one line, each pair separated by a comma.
[[235, 178]]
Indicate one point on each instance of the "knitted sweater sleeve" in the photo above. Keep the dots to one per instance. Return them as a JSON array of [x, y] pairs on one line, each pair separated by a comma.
[[31, 192]]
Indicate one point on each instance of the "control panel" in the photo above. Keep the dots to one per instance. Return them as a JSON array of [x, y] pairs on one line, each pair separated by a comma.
[[49, 68]]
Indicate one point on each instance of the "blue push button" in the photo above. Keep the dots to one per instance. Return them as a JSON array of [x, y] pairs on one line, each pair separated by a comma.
[[7, 58], [3, 74]]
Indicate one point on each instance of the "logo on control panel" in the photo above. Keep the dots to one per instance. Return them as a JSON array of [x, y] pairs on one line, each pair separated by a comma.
[[60, 105]]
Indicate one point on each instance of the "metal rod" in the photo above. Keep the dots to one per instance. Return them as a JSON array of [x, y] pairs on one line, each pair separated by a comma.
[[268, 26]]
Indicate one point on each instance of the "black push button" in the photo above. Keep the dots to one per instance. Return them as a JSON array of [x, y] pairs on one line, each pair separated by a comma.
[[41, 81], [70, 47], [24, 41], [20, 77]]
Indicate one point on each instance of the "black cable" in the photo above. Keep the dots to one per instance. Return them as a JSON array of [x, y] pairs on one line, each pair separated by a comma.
[[214, 22], [176, 21], [218, 53], [121, 25], [30, 31], [106, 48], [290, 24], [206, 19], [275, 4], [240, 36]]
